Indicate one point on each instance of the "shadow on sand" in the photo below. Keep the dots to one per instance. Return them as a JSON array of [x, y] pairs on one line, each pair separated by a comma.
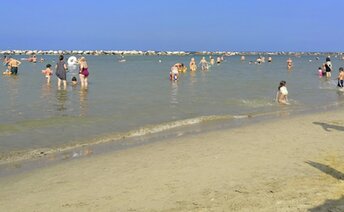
[[327, 170], [329, 205], [327, 127]]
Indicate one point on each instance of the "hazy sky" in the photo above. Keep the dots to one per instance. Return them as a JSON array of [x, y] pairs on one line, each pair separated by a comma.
[[195, 25]]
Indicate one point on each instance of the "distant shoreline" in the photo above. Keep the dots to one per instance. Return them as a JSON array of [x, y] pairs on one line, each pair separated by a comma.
[[158, 53]]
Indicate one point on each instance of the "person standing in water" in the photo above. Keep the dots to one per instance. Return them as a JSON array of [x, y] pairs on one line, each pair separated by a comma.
[[13, 65], [83, 73], [282, 93], [61, 72], [212, 60], [47, 72], [193, 65], [174, 73], [289, 63], [328, 67], [204, 64], [341, 78], [218, 60]]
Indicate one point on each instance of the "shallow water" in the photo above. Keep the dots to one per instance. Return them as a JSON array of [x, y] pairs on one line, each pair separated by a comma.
[[135, 98]]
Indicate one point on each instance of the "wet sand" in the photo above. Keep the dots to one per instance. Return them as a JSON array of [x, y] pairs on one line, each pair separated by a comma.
[[292, 164]]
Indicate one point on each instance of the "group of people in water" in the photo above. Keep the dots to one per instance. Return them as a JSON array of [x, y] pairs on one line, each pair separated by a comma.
[[259, 60], [61, 69], [203, 64], [326, 69], [282, 94], [323, 71]]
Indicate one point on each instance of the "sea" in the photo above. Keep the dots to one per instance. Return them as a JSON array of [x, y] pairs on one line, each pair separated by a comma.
[[133, 102]]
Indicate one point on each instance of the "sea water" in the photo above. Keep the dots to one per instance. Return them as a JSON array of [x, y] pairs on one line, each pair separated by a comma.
[[136, 98]]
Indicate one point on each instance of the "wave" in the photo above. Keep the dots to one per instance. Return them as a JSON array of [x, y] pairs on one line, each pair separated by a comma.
[[258, 103], [147, 130]]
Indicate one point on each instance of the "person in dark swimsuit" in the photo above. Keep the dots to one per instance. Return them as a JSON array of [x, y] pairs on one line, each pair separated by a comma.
[[61, 73]]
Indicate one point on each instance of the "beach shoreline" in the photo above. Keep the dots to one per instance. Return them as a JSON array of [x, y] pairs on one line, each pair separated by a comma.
[[15, 162], [294, 163]]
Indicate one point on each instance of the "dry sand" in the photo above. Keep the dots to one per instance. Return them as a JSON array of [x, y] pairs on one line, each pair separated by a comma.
[[293, 164]]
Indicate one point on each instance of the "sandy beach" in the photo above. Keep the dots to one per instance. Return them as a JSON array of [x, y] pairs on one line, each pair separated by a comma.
[[292, 164]]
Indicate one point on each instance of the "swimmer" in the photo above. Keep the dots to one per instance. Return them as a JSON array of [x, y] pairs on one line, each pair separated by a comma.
[[204, 64], [242, 58], [32, 59], [282, 93], [320, 72], [193, 66], [83, 72], [47, 72], [174, 73], [289, 63], [270, 59], [328, 67], [74, 81], [218, 60], [263, 59], [61, 72], [13, 65], [182, 68], [259, 60], [341, 78], [212, 60]]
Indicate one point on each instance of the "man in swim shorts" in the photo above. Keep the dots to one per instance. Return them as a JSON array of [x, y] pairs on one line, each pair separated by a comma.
[[13, 65]]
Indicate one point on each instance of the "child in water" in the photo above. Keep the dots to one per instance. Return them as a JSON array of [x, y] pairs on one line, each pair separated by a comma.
[[320, 72], [47, 72], [174, 73], [282, 93], [74, 81], [341, 78]]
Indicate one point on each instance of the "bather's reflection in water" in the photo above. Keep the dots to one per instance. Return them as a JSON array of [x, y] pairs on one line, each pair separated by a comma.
[[61, 99], [83, 96], [46, 91]]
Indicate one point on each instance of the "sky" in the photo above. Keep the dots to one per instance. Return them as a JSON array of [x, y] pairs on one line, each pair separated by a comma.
[[173, 25]]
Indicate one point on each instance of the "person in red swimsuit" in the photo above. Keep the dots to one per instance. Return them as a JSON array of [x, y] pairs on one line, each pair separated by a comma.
[[83, 72]]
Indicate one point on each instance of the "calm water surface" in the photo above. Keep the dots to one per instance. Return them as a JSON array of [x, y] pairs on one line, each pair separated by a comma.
[[136, 98]]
